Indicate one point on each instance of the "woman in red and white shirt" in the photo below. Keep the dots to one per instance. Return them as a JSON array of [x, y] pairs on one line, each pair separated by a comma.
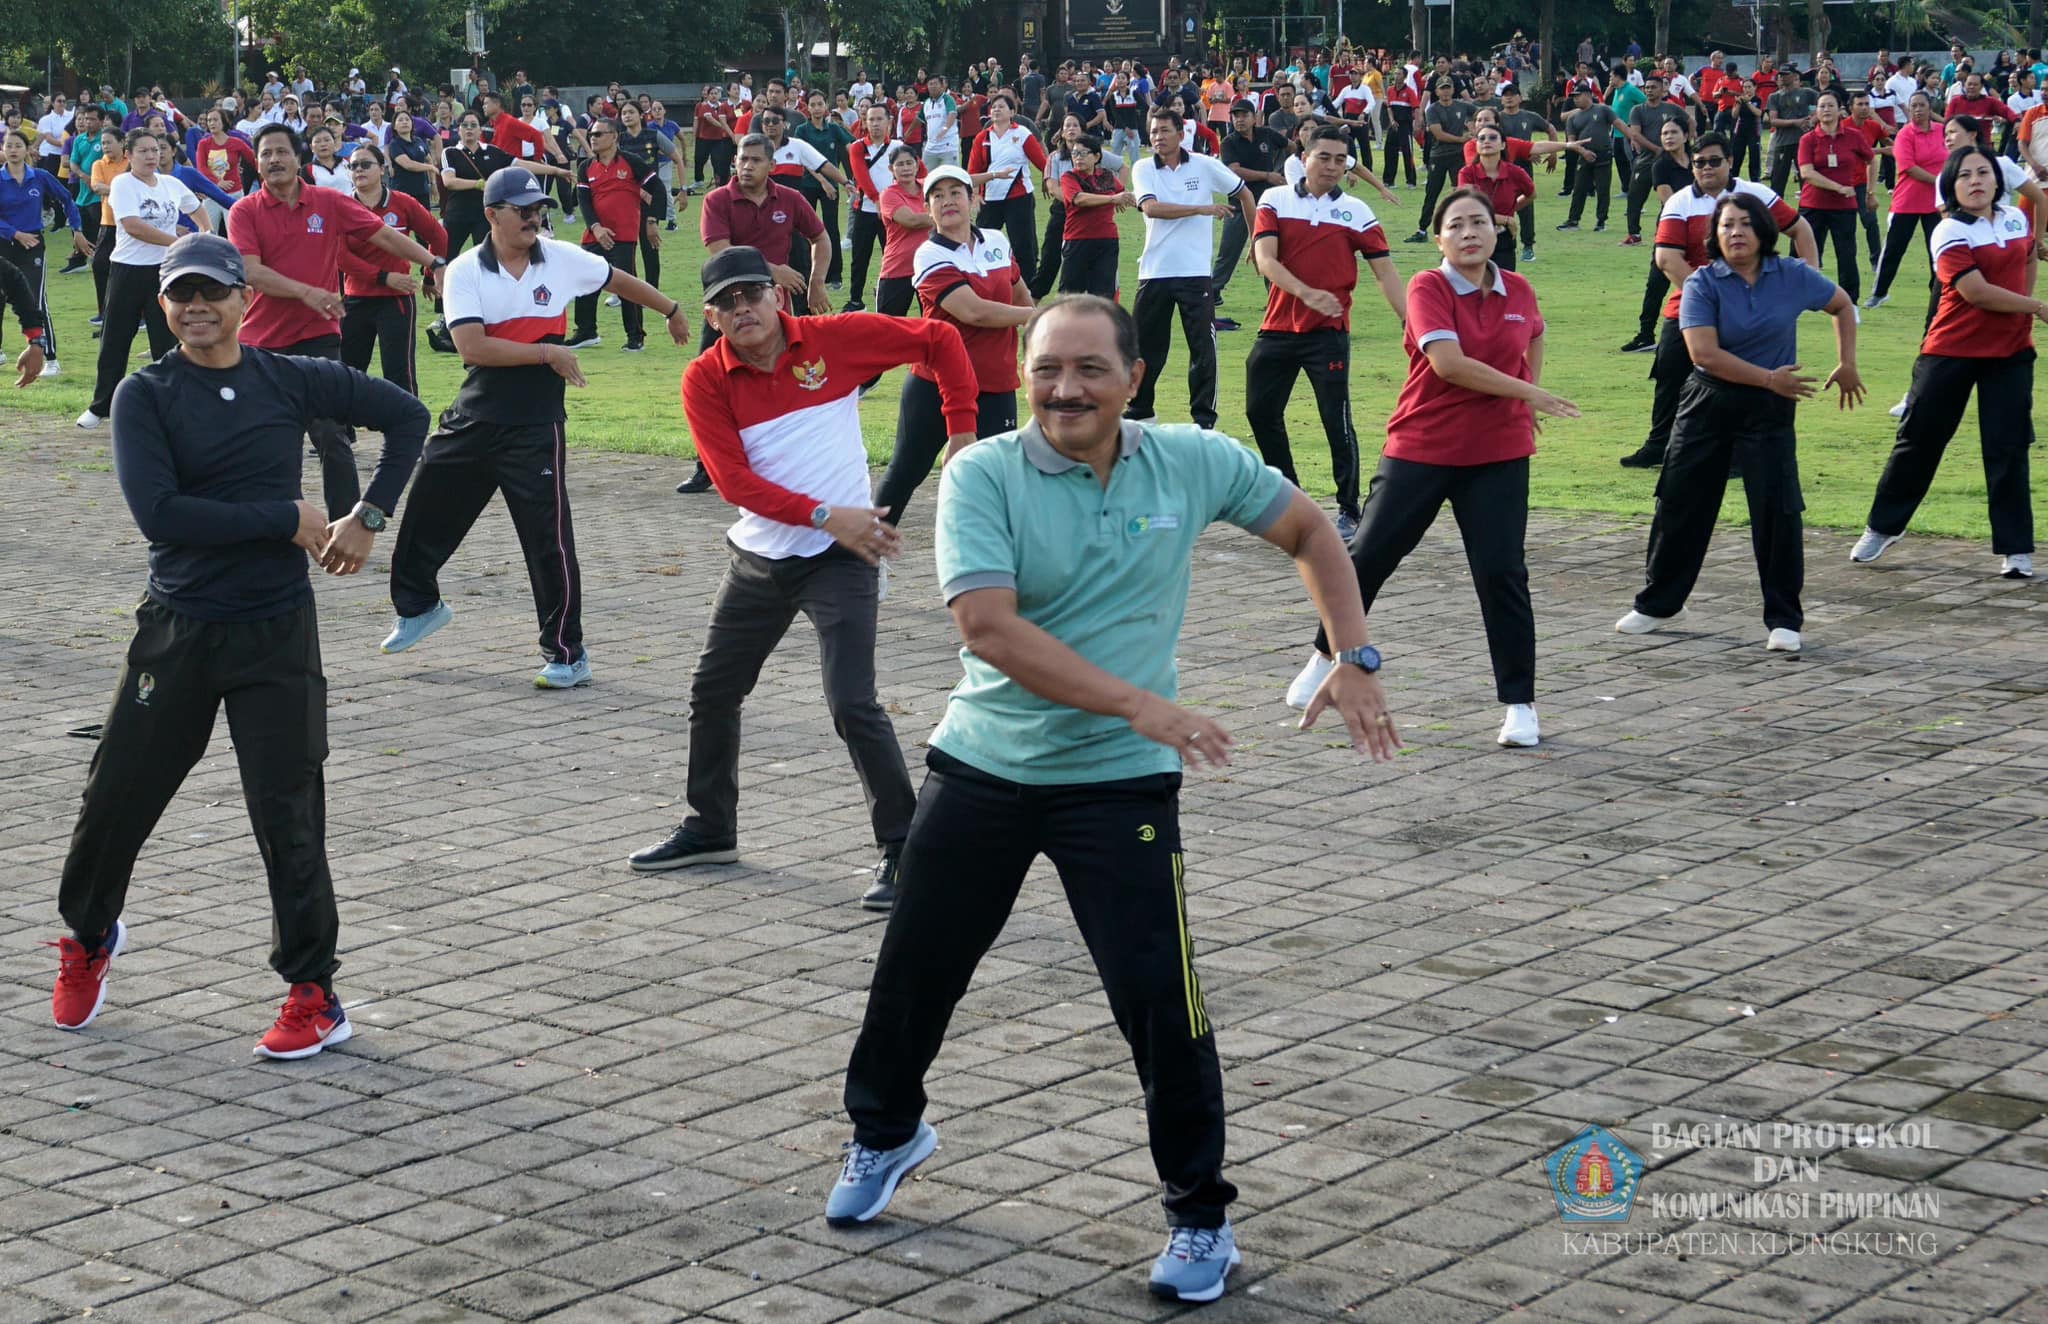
[[1093, 196], [1981, 339], [378, 289], [1463, 431], [1507, 186], [1000, 162], [905, 223]]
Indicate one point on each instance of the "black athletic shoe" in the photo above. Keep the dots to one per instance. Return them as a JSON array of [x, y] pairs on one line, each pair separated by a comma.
[[1418, 238], [854, 306], [1225, 323], [1643, 458], [1640, 344], [695, 483], [635, 345], [1569, 225], [683, 848], [881, 893]]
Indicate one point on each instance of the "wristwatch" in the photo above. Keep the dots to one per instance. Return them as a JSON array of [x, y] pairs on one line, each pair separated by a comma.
[[370, 517], [820, 515], [1365, 657]]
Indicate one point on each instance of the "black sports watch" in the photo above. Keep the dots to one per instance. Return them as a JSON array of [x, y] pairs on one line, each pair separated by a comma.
[[371, 518], [1365, 657]]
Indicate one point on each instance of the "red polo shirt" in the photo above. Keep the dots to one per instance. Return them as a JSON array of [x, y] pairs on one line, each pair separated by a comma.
[[518, 139], [303, 240], [1506, 191], [1842, 157], [770, 225], [1435, 422]]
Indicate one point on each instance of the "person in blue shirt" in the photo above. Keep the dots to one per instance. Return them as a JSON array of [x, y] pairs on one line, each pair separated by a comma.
[[1739, 315], [1064, 550], [25, 192], [84, 154]]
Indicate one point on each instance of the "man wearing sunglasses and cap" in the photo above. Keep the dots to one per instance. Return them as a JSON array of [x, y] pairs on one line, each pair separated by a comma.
[[774, 409], [508, 302], [206, 449]]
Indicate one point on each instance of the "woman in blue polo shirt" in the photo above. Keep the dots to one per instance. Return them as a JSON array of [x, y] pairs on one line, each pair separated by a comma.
[[25, 191], [1740, 315]]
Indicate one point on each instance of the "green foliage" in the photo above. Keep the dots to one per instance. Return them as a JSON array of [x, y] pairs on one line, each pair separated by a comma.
[[175, 41]]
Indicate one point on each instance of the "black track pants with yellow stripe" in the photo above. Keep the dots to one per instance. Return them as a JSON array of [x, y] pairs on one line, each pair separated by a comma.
[[1116, 846]]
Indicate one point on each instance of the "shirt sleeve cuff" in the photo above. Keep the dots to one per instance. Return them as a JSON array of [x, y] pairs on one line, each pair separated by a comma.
[[979, 579], [1275, 508], [1428, 338]]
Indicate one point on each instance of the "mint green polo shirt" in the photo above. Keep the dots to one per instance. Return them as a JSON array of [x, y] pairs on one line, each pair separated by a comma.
[[1105, 570]]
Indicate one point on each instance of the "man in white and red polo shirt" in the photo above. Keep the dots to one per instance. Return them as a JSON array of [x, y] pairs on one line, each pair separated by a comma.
[[1307, 240], [1681, 250], [292, 237], [515, 137], [774, 410], [612, 189]]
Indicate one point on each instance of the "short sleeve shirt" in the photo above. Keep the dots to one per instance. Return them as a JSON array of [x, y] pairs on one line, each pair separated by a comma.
[[1596, 123], [1321, 238], [1105, 570], [531, 308], [1452, 119], [1264, 150], [985, 265], [1435, 422], [1757, 323], [1791, 103], [1179, 246], [1840, 158], [770, 225], [2000, 249], [157, 204], [303, 240]]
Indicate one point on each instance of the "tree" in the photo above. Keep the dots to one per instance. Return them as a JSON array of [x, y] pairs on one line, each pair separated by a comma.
[[177, 42], [1661, 42]]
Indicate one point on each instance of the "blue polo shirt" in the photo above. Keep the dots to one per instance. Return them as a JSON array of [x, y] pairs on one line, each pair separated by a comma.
[[1759, 323], [1105, 570]]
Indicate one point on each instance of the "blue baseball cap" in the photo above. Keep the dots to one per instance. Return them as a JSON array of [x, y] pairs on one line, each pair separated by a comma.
[[514, 186]]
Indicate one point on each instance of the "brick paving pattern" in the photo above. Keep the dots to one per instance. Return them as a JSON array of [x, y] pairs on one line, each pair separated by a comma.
[[1729, 887]]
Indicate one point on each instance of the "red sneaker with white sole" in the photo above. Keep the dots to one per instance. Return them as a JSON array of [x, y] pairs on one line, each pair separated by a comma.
[[311, 1019], [82, 978]]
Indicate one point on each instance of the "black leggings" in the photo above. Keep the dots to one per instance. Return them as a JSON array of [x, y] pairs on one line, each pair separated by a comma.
[[1089, 267], [1051, 251], [1401, 141], [463, 229], [1897, 236], [1840, 226], [131, 295], [1016, 216], [867, 237], [32, 263], [387, 324], [1443, 173], [921, 435], [893, 295]]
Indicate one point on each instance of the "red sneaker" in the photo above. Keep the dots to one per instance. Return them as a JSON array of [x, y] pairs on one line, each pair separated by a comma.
[[311, 1019], [82, 978]]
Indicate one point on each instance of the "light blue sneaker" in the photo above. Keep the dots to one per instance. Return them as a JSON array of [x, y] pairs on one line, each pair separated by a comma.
[[870, 1177], [1195, 1263], [564, 675], [409, 630]]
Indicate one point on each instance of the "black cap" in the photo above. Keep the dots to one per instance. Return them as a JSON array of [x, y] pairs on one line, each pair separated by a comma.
[[737, 265], [1241, 106], [514, 186], [206, 255]]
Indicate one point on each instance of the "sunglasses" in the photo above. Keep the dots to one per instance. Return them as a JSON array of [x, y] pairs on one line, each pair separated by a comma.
[[185, 291], [728, 299], [1708, 161], [358, 166]]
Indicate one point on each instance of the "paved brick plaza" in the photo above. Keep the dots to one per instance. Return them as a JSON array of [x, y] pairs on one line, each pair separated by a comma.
[[578, 1093]]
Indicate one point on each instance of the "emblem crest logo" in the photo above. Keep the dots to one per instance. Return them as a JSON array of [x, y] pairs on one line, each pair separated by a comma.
[[145, 685], [1593, 1177], [809, 376], [543, 296]]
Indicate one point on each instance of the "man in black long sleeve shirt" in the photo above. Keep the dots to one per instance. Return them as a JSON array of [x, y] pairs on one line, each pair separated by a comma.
[[206, 448]]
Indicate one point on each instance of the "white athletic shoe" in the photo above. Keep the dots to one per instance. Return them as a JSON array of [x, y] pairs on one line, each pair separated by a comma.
[[51, 368], [1637, 623], [89, 420], [1782, 640], [1872, 545], [1519, 730], [2017, 566], [611, 301], [1311, 678], [1899, 410]]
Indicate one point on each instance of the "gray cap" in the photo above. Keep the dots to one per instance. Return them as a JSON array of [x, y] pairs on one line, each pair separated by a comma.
[[206, 255], [514, 186]]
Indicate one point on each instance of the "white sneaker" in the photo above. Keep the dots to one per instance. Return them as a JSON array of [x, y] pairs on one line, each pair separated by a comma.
[[1311, 678], [1782, 641], [89, 420], [1519, 730], [1899, 410], [2017, 566], [611, 301], [1637, 623], [882, 580], [51, 368], [1872, 545]]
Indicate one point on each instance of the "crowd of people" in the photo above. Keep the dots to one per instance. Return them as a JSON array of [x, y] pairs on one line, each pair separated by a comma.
[[272, 242]]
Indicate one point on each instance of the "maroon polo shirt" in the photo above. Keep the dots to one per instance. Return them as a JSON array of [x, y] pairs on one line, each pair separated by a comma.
[[770, 225], [303, 240]]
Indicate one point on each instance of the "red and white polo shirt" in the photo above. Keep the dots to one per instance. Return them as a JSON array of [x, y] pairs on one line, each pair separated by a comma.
[[985, 265], [2000, 249], [1321, 238], [528, 308]]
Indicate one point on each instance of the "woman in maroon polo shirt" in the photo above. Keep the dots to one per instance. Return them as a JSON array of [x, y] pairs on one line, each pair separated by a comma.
[[1506, 185], [1832, 155], [1463, 431], [1093, 196]]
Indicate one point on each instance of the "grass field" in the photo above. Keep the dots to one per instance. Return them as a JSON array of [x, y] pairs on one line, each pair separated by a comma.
[[1590, 290]]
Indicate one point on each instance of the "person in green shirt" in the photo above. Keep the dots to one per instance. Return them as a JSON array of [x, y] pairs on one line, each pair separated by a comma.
[[1623, 96], [84, 154], [831, 137], [1064, 550]]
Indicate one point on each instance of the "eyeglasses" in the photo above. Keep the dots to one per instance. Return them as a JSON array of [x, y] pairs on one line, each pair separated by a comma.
[[1708, 162], [600, 133], [361, 164], [213, 291], [732, 297], [526, 213]]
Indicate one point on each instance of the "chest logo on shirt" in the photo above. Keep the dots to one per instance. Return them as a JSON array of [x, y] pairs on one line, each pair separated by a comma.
[[1513, 317], [542, 296], [779, 216], [316, 224], [145, 685], [391, 219], [1153, 523], [809, 376]]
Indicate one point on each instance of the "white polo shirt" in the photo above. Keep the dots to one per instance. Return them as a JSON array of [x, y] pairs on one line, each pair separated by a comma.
[[1182, 246]]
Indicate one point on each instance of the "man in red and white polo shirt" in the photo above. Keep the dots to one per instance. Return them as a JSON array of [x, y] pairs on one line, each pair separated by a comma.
[[610, 193], [292, 237], [1681, 250], [1307, 241], [508, 307], [516, 138], [774, 409]]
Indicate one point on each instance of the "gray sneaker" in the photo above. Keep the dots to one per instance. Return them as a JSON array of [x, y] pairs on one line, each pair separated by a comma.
[[1872, 545], [409, 630], [870, 1177], [1195, 1263]]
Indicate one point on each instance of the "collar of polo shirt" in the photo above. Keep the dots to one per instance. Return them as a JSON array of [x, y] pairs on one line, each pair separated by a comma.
[[1301, 190], [1047, 459], [1459, 285]]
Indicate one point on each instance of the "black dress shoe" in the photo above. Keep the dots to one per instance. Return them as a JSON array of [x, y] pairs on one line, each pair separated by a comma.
[[695, 483], [1643, 458], [881, 894], [683, 848]]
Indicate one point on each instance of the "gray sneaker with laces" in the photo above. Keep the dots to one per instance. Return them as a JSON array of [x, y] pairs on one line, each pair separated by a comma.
[[870, 1177], [1195, 1263]]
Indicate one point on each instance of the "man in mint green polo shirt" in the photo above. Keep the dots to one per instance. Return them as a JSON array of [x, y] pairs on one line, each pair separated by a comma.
[[1064, 550]]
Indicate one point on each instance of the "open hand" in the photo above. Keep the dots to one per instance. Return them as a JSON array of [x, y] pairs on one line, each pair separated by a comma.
[[1202, 741], [1355, 694]]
